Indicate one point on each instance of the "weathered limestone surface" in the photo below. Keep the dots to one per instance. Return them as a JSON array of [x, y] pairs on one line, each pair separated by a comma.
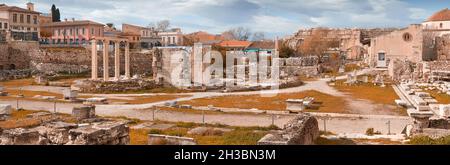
[[154, 139], [20, 136], [302, 130], [107, 133], [5, 110], [60, 133], [89, 86], [83, 112]]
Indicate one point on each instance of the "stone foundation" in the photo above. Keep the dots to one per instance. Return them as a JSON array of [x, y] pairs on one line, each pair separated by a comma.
[[89, 86], [83, 112]]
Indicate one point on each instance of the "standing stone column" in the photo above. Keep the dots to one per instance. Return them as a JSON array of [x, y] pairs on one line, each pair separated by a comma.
[[116, 60], [94, 60], [127, 61], [106, 60]]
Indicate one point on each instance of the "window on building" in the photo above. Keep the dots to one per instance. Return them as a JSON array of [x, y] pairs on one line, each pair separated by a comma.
[[92, 31], [56, 32], [35, 20], [99, 32], [441, 25], [407, 37], [82, 31], [70, 32], [76, 31], [1, 25], [15, 18], [6, 25], [28, 18], [21, 18], [28, 29]]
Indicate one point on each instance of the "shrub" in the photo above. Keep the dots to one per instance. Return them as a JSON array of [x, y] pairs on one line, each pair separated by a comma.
[[371, 132]]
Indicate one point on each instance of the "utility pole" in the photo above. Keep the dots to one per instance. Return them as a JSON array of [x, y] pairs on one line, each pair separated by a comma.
[[54, 106], [273, 119], [153, 113], [389, 127], [203, 116]]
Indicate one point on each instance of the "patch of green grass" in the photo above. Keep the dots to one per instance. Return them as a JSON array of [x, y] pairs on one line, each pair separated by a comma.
[[425, 140]]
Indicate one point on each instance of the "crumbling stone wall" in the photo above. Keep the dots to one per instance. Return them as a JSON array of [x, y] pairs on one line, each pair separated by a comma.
[[78, 60], [290, 67], [15, 55], [60, 133], [89, 86], [443, 48], [303, 130]]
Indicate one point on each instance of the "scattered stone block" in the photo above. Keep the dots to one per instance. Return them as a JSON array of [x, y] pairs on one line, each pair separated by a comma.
[[444, 110], [185, 106], [171, 104], [96, 100], [155, 139], [5, 109], [20, 136], [83, 112], [70, 94], [295, 105], [56, 133], [303, 130], [41, 80], [106, 133], [151, 125]]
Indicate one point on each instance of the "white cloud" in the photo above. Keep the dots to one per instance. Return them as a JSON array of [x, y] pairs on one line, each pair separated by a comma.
[[274, 16]]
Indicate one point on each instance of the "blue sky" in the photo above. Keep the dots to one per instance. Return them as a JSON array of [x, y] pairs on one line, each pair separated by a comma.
[[273, 17]]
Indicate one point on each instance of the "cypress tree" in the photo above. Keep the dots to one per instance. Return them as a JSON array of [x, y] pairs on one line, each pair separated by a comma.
[[58, 16], [53, 10]]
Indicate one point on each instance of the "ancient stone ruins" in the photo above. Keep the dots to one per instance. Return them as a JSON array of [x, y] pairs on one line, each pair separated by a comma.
[[88, 130], [303, 130]]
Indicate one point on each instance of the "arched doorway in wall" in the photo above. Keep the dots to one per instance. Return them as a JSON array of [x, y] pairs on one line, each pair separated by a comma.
[[12, 67]]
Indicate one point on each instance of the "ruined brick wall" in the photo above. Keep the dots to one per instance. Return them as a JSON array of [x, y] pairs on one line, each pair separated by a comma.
[[443, 48], [15, 55], [79, 60]]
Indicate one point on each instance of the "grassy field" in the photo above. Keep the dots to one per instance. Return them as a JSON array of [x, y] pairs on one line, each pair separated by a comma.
[[325, 103], [19, 119], [442, 98], [238, 136], [149, 99], [17, 83], [368, 91]]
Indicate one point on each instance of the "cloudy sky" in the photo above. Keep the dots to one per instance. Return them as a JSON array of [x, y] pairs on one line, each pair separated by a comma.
[[273, 17]]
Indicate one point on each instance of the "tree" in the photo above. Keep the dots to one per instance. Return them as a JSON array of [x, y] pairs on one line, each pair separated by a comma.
[[57, 16], [258, 36], [162, 25], [239, 33], [53, 10], [285, 51]]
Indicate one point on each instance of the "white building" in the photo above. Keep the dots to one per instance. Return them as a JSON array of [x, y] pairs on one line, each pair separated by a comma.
[[439, 22], [172, 37]]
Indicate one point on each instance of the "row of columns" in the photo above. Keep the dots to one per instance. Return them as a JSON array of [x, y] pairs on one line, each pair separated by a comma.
[[106, 42]]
